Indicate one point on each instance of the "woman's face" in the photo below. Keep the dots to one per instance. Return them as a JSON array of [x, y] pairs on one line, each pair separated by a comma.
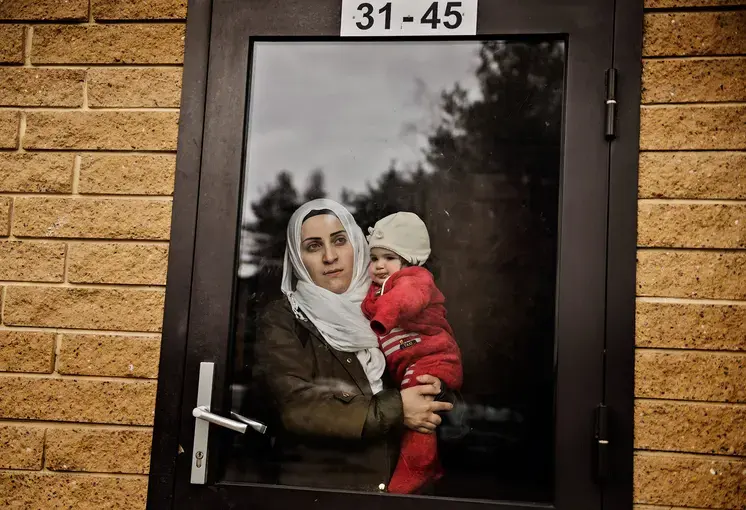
[[327, 253]]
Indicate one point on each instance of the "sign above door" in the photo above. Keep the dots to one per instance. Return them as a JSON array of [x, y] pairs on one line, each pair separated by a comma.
[[382, 18]]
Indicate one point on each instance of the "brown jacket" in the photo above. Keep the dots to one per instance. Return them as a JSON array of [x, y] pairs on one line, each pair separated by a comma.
[[334, 433]]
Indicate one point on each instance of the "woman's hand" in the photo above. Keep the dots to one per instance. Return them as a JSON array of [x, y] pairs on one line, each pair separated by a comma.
[[420, 407]]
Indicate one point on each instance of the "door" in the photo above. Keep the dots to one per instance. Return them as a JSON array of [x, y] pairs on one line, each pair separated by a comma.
[[498, 140]]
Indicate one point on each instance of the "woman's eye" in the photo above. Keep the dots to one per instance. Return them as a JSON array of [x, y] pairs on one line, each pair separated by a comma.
[[312, 247], [340, 241]]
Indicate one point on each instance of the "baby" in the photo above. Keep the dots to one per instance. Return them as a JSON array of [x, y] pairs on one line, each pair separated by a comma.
[[406, 310]]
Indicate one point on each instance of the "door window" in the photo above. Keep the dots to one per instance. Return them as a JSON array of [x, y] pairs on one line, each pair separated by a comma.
[[466, 134]]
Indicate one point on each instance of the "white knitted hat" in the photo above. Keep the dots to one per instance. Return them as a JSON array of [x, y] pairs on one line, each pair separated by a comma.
[[405, 234]]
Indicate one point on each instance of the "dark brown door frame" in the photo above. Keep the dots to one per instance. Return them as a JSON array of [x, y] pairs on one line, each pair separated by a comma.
[[620, 248]]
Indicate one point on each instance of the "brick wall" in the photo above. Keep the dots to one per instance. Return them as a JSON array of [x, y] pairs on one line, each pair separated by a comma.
[[89, 105], [690, 412], [88, 112]]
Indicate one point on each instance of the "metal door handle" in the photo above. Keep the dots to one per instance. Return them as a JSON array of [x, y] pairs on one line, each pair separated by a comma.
[[203, 413]]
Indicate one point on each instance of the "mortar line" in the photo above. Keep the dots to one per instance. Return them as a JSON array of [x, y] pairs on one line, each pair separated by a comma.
[[45, 109], [27, 46], [89, 241], [721, 104], [57, 350], [79, 331], [11, 216], [46, 472], [90, 12], [691, 57], [44, 450], [153, 198], [76, 174], [734, 56], [669, 350], [3, 292], [695, 402], [21, 133], [76, 377], [695, 151], [121, 152], [66, 264], [84, 106], [727, 102], [726, 457], [703, 456], [112, 65], [690, 301], [84, 286], [104, 152], [692, 201], [69, 425], [682, 249]]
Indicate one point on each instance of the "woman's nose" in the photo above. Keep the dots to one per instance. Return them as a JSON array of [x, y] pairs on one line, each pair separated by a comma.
[[330, 254]]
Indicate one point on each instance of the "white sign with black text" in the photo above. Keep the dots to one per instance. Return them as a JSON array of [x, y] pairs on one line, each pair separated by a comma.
[[376, 18]]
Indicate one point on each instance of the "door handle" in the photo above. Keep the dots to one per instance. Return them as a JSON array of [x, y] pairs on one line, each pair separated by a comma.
[[203, 413], [204, 418]]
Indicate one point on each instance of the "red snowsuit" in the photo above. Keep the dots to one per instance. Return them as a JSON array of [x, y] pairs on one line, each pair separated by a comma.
[[414, 335]]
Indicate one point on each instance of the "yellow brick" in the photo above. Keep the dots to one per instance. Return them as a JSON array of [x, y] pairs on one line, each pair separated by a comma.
[[32, 261], [136, 9], [690, 427], [9, 126], [117, 263], [691, 326], [21, 447], [5, 204], [99, 451], [691, 274], [12, 38], [147, 88], [77, 400], [41, 87], [36, 173], [692, 175], [694, 80], [692, 127], [694, 33], [691, 225], [80, 492], [98, 218], [108, 44], [689, 481], [46, 10], [95, 130], [26, 351], [75, 308], [109, 355], [713, 377], [126, 174]]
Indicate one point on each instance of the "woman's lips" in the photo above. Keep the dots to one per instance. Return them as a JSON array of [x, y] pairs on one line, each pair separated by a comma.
[[333, 272]]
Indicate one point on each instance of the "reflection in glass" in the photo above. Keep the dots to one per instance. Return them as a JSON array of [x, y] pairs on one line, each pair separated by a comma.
[[466, 134]]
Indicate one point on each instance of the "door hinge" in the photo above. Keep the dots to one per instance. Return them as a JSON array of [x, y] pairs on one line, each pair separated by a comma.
[[601, 442], [610, 124]]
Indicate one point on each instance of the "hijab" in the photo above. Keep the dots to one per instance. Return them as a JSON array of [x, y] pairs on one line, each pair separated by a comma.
[[338, 317]]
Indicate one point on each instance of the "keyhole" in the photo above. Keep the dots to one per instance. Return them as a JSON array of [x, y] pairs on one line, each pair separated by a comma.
[[199, 456]]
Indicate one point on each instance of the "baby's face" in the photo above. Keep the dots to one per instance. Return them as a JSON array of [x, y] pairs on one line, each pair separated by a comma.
[[383, 263]]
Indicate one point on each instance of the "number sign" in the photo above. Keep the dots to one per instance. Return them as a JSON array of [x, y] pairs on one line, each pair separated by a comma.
[[375, 18]]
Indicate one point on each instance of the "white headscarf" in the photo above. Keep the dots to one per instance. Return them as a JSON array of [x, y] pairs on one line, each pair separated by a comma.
[[338, 317]]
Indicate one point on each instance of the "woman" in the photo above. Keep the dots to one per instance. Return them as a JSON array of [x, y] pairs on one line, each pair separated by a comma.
[[321, 364]]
